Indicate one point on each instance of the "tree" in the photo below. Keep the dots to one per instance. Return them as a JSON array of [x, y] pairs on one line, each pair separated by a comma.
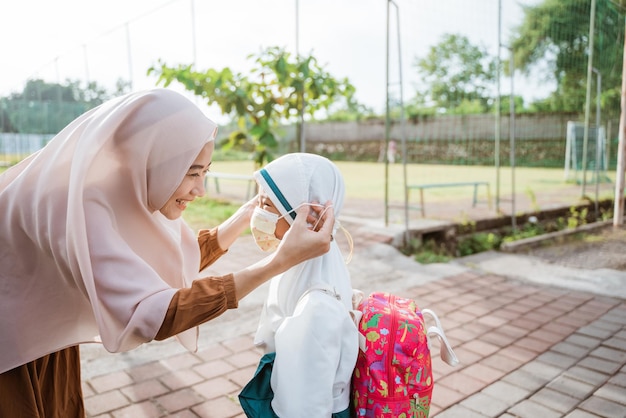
[[555, 34], [456, 74], [269, 97]]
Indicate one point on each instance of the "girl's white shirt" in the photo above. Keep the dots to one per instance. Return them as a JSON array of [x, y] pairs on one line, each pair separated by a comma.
[[306, 318]]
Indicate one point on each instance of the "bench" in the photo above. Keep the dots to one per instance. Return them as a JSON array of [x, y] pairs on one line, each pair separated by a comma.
[[230, 176], [474, 184]]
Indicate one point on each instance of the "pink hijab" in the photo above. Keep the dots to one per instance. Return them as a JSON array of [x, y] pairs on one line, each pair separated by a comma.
[[85, 254]]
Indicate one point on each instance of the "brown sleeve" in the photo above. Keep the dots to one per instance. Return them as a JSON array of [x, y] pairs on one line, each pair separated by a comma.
[[206, 299], [210, 250]]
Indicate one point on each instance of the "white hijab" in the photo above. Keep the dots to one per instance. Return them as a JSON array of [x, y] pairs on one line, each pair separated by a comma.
[[85, 254], [290, 181]]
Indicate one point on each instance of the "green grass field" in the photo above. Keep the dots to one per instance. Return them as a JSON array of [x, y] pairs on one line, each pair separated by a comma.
[[366, 180]]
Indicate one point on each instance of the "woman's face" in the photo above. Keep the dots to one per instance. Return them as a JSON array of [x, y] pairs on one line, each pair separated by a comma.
[[265, 203], [192, 185]]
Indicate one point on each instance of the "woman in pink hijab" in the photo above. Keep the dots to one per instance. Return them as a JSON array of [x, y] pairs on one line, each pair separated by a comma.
[[93, 247]]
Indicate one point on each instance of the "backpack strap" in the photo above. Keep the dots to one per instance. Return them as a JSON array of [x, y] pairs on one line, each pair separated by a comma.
[[330, 291], [436, 330]]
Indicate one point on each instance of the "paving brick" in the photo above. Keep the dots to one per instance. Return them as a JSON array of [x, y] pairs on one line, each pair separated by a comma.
[[558, 328], [501, 362], [533, 344], [584, 374], [242, 376], [244, 359], [548, 336], [608, 325], [530, 409], [443, 397], [144, 390], [583, 341], [596, 332], [223, 407], [484, 404], [466, 357], [513, 331], [105, 402], [179, 400], [525, 380], [147, 371], [612, 393], [214, 388], [610, 354], [570, 349], [603, 407], [498, 339], [598, 364], [480, 347], [459, 411], [475, 310], [213, 368], [460, 334], [518, 353], [506, 392], [579, 413], [619, 379], [463, 383], [111, 381], [87, 390], [541, 369], [139, 410], [180, 361], [492, 321], [185, 413], [483, 373], [179, 379], [506, 314], [525, 323], [557, 359], [572, 387], [239, 344], [214, 352], [555, 400], [615, 342], [572, 320]]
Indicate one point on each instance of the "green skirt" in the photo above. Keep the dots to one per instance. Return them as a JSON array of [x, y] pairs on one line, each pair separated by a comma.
[[256, 397]]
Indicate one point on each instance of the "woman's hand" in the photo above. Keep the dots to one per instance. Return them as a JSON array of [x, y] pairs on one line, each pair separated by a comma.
[[309, 236], [234, 226], [300, 243]]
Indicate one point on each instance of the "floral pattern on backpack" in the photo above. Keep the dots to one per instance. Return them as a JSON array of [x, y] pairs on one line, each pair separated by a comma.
[[393, 374]]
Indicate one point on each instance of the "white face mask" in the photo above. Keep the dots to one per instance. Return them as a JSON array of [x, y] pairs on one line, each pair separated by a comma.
[[263, 227]]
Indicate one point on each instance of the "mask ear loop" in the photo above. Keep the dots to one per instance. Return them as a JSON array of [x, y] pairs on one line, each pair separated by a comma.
[[349, 238]]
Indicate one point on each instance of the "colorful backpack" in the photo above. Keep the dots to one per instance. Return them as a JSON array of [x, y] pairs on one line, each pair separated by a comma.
[[393, 374]]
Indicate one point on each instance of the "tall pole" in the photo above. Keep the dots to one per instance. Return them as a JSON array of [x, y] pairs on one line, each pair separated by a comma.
[[387, 123], [498, 112], [618, 209], [130, 56], [598, 148], [301, 92], [592, 20], [403, 132], [193, 34], [512, 136]]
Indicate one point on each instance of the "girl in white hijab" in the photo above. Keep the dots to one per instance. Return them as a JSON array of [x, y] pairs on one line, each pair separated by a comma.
[[93, 248], [306, 329]]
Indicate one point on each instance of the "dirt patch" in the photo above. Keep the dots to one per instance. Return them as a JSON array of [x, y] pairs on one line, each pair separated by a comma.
[[603, 249]]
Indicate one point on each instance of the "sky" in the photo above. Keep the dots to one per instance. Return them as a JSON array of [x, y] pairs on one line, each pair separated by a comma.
[[104, 41]]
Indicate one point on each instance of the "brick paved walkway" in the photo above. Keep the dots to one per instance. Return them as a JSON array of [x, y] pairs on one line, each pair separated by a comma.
[[526, 350]]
